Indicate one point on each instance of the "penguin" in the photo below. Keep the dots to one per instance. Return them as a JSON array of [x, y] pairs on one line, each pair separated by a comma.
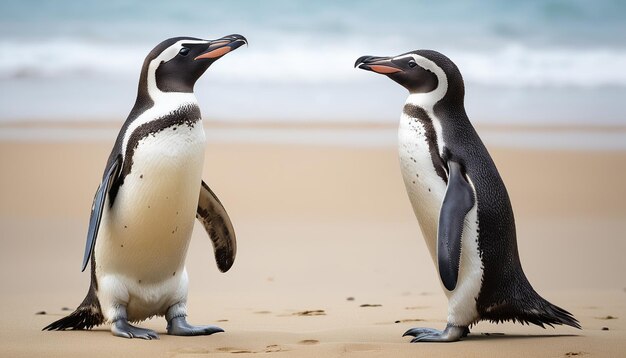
[[151, 191], [460, 202]]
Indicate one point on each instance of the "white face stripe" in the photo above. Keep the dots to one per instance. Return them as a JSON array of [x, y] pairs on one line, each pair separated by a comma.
[[164, 102], [166, 55], [428, 100]]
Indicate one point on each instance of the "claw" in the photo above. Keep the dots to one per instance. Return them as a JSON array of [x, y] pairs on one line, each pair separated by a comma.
[[450, 334], [418, 330], [121, 328], [411, 332]]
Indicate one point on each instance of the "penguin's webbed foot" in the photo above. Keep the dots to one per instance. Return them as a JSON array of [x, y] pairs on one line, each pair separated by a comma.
[[178, 326], [450, 334], [122, 328]]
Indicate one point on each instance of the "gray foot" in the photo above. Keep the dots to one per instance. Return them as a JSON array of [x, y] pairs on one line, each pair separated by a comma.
[[122, 328], [450, 334], [178, 326]]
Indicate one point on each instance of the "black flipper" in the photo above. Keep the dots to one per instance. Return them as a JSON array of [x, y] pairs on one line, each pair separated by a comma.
[[111, 173], [216, 222], [457, 202]]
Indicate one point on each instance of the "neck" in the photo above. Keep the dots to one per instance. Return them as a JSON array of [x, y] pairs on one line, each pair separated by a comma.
[[423, 100]]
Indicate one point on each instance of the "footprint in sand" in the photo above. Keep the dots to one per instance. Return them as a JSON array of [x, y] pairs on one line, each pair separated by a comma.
[[371, 305], [193, 350], [233, 350], [272, 348], [309, 341]]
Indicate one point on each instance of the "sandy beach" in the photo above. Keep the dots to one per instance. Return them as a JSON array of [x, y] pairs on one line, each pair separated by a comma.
[[331, 262]]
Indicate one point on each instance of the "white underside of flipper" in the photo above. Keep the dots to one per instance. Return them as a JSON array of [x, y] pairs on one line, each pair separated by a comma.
[[143, 239]]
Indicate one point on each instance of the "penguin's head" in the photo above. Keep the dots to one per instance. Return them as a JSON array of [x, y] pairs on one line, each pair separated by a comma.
[[175, 64], [423, 72]]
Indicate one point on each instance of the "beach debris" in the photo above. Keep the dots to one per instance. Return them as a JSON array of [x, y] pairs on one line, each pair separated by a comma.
[[415, 307], [222, 320], [262, 312], [406, 320], [41, 312], [574, 354], [350, 299], [492, 334], [311, 313], [371, 305], [65, 309], [605, 328], [309, 341], [606, 317]]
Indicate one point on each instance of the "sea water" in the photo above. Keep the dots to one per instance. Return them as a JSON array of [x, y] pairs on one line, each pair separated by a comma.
[[551, 62]]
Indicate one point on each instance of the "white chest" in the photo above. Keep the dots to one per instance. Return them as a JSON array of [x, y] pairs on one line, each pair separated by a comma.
[[147, 231], [424, 187]]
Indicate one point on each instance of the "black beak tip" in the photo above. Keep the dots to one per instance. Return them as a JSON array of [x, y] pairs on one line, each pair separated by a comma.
[[361, 61], [237, 38]]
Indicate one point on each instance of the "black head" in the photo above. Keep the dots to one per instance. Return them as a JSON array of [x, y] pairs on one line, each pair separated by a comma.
[[420, 71], [175, 64]]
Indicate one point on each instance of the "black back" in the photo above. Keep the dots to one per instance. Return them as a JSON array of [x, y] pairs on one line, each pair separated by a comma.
[[506, 293]]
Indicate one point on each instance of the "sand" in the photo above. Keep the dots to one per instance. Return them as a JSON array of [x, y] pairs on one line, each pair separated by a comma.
[[326, 229]]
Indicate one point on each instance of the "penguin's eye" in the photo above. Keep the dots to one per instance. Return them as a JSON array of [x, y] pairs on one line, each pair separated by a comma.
[[412, 64], [183, 51]]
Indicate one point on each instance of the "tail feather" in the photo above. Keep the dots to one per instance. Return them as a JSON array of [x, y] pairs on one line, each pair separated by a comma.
[[86, 316], [530, 309]]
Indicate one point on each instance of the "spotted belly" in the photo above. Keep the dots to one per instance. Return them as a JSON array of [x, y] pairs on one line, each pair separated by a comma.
[[145, 235], [424, 186]]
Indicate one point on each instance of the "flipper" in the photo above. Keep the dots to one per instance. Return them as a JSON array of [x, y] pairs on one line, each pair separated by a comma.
[[111, 173], [216, 222], [457, 202]]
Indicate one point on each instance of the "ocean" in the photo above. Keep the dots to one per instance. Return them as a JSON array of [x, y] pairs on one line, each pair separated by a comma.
[[535, 63]]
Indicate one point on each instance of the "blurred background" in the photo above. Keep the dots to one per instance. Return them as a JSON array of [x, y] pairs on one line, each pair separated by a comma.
[[539, 63]]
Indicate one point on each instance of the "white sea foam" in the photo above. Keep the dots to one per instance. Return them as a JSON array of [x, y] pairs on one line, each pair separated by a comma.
[[65, 57], [518, 66], [293, 61]]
